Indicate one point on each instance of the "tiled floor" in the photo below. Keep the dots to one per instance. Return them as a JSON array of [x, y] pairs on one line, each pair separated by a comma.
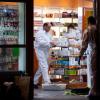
[[40, 94]]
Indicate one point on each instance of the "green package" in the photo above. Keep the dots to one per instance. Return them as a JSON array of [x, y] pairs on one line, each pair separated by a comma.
[[15, 52]]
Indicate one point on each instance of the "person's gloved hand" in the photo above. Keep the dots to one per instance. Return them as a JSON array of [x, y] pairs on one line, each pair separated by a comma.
[[53, 44], [79, 60]]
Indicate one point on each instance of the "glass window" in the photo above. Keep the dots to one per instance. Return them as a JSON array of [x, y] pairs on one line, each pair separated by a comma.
[[12, 23], [12, 59]]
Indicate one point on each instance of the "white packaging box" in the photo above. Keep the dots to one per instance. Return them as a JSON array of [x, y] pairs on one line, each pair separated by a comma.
[[54, 87]]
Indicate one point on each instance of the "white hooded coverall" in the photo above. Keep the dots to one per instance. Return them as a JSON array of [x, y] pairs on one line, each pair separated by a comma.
[[89, 70], [42, 45]]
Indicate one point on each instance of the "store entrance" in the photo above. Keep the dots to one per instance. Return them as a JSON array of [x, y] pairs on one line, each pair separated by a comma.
[[68, 23]]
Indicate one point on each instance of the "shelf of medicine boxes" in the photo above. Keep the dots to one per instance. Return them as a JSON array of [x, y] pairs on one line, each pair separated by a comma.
[[62, 70], [54, 67], [47, 13], [58, 65], [52, 59], [69, 80], [72, 81], [54, 24], [57, 24]]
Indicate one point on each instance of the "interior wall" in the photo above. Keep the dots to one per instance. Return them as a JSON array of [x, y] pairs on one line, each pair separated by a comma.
[[64, 3], [54, 3]]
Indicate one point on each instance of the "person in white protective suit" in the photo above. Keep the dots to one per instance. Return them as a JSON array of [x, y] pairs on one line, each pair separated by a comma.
[[42, 45], [89, 70]]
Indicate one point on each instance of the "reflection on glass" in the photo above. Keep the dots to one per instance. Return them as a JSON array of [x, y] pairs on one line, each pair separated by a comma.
[[12, 59], [12, 23]]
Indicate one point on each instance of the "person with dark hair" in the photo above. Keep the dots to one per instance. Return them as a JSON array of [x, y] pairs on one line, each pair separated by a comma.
[[42, 44], [70, 27], [89, 40], [91, 20]]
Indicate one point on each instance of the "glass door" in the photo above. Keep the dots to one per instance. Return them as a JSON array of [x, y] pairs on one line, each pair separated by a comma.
[[16, 40]]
